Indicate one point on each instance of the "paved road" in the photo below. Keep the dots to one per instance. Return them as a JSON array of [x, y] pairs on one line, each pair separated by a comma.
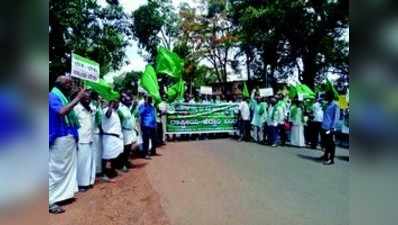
[[222, 181]]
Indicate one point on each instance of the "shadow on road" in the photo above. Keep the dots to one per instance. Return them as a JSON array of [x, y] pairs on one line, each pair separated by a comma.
[[139, 165], [343, 158], [310, 158]]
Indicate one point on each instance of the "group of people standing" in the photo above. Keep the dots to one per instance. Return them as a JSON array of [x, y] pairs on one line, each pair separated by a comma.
[[90, 138], [278, 120]]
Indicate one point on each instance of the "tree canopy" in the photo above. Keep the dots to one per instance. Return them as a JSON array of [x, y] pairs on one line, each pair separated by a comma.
[[92, 31], [267, 39]]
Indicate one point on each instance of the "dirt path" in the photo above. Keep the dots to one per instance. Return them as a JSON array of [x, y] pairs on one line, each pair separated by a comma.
[[131, 200]]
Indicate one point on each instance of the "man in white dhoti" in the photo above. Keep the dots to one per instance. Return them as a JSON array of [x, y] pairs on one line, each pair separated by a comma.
[[129, 134], [297, 119], [97, 108], [86, 149], [112, 139], [163, 113], [63, 135]]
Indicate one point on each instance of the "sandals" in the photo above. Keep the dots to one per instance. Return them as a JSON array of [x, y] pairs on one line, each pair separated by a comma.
[[55, 209]]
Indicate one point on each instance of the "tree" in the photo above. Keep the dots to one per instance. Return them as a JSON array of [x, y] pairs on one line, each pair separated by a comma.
[[155, 23], [127, 81], [285, 32], [208, 35], [83, 27]]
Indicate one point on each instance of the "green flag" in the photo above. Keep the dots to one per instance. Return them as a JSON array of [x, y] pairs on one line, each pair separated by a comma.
[[149, 82], [169, 63], [301, 89], [103, 89], [329, 87], [245, 91], [176, 91]]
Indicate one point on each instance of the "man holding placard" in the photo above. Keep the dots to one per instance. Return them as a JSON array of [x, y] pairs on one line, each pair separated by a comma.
[[63, 136]]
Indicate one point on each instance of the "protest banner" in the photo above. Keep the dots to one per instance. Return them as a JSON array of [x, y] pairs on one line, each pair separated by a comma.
[[184, 118], [266, 92], [205, 90], [84, 68]]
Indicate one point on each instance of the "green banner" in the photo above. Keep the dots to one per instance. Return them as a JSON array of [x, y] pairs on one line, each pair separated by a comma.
[[184, 118]]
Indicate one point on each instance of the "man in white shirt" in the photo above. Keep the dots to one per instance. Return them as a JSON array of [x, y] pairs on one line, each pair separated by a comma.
[[163, 112], [245, 119], [86, 165], [96, 106], [129, 135], [112, 139], [315, 125]]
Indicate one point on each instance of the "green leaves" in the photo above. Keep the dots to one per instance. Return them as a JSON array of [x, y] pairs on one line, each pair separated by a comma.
[[83, 27]]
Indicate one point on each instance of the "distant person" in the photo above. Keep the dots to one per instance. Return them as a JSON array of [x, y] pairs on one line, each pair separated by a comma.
[[316, 123], [274, 115], [148, 126], [245, 120], [281, 106], [163, 106], [296, 117], [86, 154], [257, 119], [330, 118], [129, 135], [113, 144], [96, 106], [63, 136], [263, 111], [191, 99]]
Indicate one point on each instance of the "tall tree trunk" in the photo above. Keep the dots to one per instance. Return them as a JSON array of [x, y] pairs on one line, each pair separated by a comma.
[[309, 70], [248, 60]]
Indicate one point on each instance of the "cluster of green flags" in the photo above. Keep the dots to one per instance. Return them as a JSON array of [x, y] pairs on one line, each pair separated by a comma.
[[170, 64], [167, 63]]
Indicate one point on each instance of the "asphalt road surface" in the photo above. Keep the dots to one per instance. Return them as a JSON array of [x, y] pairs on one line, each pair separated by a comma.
[[217, 182], [227, 182]]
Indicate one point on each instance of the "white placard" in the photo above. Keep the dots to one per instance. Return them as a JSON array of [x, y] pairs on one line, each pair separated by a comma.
[[266, 92], [206, 90], [84, 68]]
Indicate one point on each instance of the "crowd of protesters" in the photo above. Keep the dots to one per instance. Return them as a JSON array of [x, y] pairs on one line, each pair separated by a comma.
[[91, 138], [279, 121]]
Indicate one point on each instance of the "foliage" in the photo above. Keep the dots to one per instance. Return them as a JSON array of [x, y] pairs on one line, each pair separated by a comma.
[[281, 31], [154, 24], [83, 27], [127, 81]]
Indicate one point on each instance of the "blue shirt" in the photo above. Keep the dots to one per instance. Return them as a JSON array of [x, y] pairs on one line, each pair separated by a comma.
[[330, 116], [57, 126], [147, 115]]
